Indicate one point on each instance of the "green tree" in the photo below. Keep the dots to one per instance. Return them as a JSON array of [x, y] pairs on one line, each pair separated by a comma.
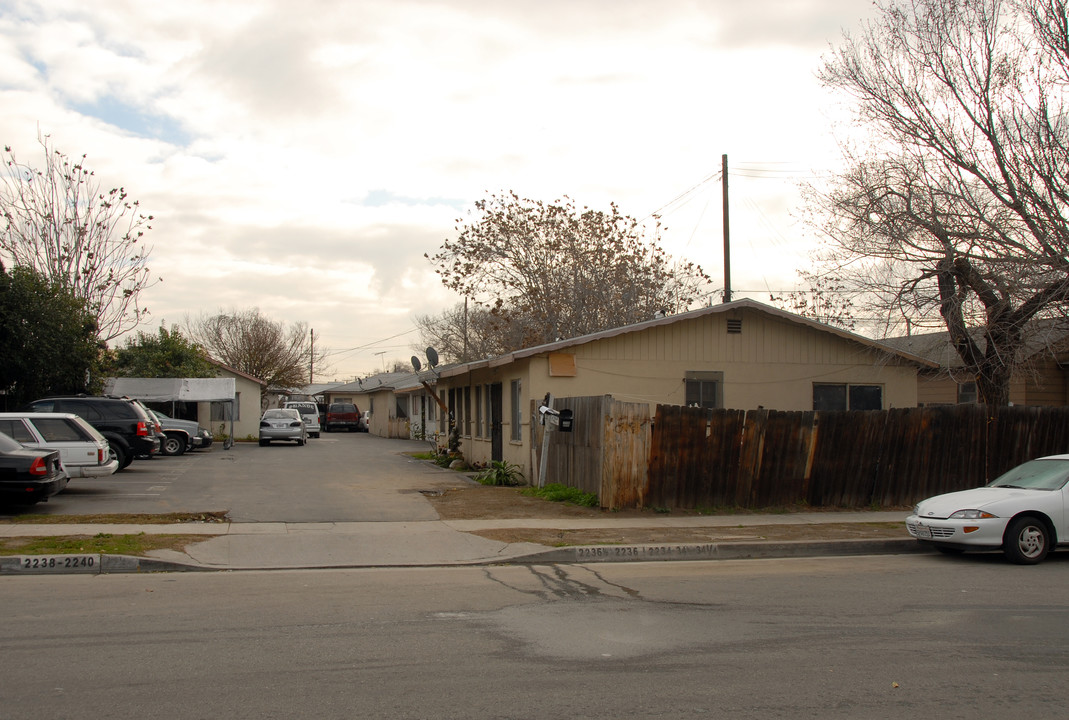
[[167, 354], [86, 240], [48, 340], [954, 207], [557, 271]]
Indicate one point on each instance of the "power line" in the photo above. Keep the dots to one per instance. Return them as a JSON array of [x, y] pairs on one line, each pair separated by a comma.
[[660, 210], [374, 343]]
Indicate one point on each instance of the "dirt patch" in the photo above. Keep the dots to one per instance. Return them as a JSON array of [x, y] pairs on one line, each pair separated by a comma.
[[480, 502]]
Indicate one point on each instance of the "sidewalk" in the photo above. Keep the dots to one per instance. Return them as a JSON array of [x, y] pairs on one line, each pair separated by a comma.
[[275, 546]]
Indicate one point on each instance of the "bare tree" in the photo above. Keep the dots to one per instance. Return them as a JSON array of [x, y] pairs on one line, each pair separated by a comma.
[[247, 341], [956, 205], [88, 241], [461, 336], [826, 301], [558, 271]]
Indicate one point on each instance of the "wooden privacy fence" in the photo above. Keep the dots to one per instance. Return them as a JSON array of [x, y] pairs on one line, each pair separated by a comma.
[[762, 458], [695, 458], [606, 453]]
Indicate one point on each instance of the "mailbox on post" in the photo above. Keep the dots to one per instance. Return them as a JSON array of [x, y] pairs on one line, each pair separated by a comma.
[[564, 422]]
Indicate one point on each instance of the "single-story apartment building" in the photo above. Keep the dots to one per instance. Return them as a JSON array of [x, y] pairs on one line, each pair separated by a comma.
[[1042, 379], [740, 355]]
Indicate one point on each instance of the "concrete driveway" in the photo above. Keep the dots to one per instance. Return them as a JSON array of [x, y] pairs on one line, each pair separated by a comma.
[[340, 477]]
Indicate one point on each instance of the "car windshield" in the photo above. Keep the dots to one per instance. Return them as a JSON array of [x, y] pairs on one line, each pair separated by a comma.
[[1047, 474], [278, 415]]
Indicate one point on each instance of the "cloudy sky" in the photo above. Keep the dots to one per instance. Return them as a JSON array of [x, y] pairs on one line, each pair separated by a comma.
[[302, 157]]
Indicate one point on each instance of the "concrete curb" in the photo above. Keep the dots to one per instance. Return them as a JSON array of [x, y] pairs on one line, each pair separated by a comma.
[[723, 551], [91, 564], [113, 564]]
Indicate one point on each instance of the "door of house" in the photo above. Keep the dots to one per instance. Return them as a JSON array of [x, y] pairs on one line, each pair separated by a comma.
[[496, 449]]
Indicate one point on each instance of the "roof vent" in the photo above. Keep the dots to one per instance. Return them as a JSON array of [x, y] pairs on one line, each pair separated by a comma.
[[734, 326]]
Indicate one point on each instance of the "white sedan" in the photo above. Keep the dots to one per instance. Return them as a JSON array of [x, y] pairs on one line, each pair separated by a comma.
[[1023, 513]]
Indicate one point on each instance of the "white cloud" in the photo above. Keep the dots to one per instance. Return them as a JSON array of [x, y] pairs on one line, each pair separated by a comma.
[[302, 157]]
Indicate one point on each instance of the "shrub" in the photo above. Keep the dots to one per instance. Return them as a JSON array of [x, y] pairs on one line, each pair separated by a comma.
[[501, 472]]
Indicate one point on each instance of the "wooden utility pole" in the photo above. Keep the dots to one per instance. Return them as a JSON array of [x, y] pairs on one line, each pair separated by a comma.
[[727, 230], [311, 355]]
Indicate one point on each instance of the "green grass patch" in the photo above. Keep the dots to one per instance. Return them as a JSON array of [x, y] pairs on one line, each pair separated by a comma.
[[137, 544], [555, 492]]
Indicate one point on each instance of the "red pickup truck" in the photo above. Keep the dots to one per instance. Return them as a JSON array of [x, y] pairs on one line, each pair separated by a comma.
[[342, 416]]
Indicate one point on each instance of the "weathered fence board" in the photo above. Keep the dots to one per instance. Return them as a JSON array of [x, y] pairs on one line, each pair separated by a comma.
[[700, 458], [606, 454], [854, 459]]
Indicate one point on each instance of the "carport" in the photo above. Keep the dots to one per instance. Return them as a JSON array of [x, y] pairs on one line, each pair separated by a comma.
[[174, 390]]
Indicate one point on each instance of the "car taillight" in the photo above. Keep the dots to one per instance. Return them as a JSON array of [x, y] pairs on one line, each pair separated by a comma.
[[101, 457], [295, 424], [142, 428], [39, 467], [264, 424]]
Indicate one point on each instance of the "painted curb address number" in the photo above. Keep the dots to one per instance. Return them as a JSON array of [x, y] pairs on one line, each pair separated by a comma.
[[53, 563]]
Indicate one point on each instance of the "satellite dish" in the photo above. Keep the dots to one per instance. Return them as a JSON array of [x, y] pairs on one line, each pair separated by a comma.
[[432, 356], [416, 365]]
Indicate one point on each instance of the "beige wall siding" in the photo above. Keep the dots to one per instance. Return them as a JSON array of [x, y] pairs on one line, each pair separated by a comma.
[[1044, 383], [936, 390], [772, 363]]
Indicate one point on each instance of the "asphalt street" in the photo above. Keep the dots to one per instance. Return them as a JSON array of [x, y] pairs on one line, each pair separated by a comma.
[[873, 637]]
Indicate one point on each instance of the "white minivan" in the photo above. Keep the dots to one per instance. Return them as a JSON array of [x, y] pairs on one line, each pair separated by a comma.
[[83, 451], [309, 413]]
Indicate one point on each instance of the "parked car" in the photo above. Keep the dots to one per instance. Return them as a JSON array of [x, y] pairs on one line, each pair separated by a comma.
[[1024, 512], [181, 435], [83, 452], [29, 475], [342, 415], [282, 424], [309, 411], [124, 422]]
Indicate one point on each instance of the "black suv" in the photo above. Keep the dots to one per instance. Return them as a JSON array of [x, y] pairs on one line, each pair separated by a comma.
[[122, 421]]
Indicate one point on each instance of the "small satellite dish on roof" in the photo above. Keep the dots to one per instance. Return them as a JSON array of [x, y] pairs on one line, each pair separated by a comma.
[[416, 365], [432, 356]]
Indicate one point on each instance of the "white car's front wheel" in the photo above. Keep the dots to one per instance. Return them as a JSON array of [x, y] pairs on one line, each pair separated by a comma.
[[1026, 541]]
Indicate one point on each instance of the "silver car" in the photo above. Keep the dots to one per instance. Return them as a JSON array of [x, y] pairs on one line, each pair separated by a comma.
[[282, 424], [83, 451]]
